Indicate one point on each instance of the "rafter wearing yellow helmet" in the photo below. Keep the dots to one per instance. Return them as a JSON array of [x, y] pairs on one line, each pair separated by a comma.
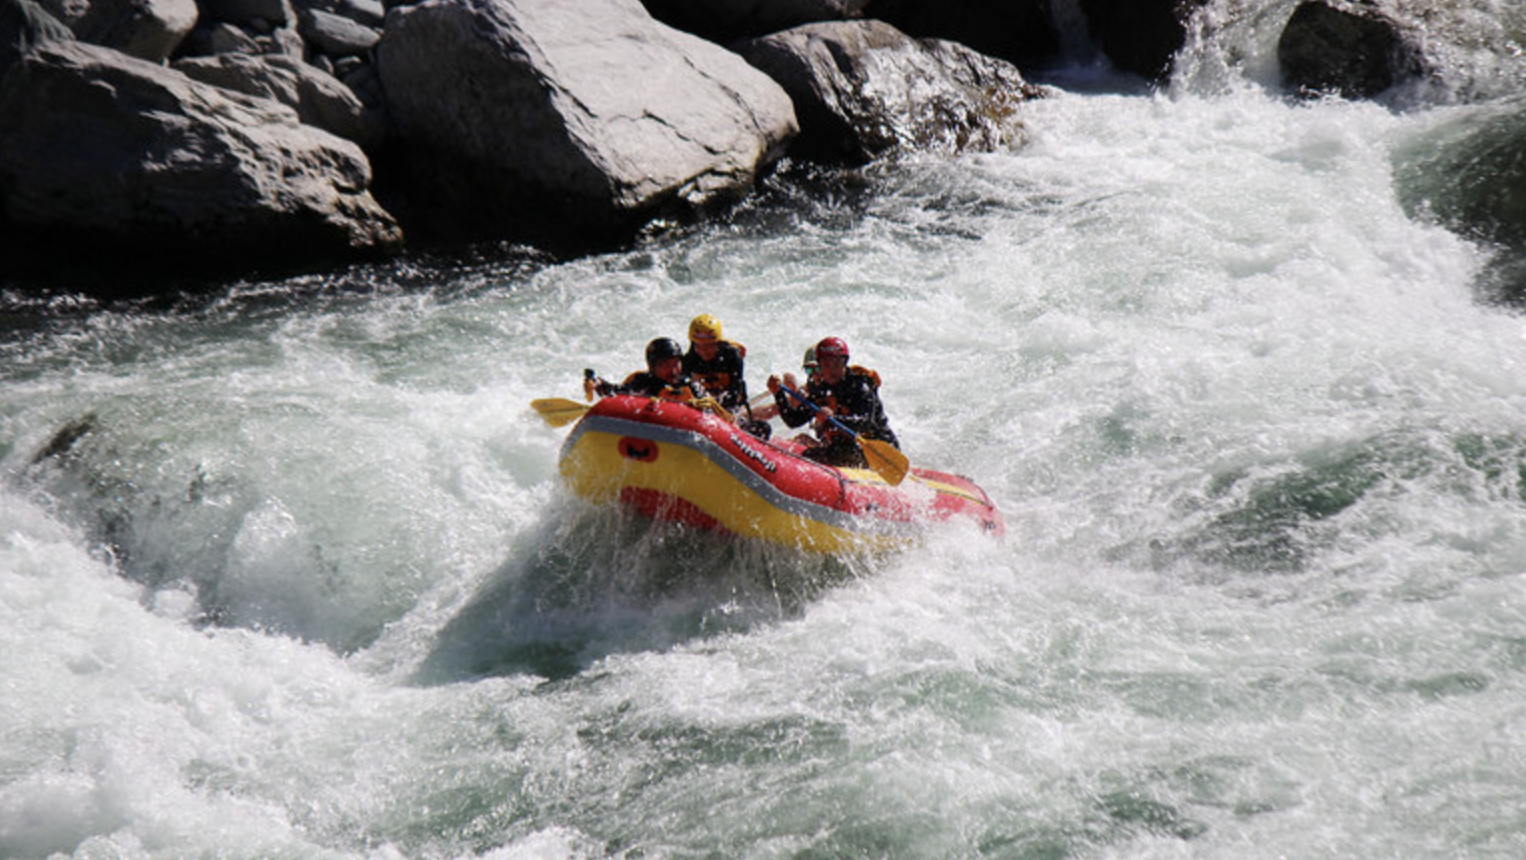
[[716, 363], [705, 327]]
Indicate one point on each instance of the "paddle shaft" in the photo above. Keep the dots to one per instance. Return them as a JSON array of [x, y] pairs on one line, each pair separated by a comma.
[[801, 398], [884, 458]]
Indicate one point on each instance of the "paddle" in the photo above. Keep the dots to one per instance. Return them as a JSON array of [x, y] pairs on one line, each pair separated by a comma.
[[884, 458], [558, 411]]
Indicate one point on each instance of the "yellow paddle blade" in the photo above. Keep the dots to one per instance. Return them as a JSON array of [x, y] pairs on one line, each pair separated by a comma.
[[558, 411], [885, 459]]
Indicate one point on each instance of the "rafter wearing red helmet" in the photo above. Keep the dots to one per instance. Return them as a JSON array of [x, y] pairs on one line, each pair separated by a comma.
[[849, 394]]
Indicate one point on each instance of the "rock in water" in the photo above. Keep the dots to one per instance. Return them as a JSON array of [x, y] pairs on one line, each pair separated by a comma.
[[518, 113], [96, 145]]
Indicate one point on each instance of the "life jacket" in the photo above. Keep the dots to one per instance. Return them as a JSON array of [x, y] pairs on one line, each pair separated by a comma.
[[879, 427], [860, 370], [647, 384], [721, 376], [686, 391], [822, 397]]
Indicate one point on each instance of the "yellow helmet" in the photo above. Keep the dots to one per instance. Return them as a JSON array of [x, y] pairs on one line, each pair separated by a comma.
[[705, 327]]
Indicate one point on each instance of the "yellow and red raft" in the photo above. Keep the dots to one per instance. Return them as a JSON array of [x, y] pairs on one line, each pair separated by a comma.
[[673, 462]]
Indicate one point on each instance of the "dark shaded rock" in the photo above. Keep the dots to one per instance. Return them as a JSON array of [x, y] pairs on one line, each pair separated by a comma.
[[1140, 36], [726, 21], [102, 150], [1019, 31], [1351, 49], [276, 12], [285, 41], [523, 115], [863, 89], [23, 26]]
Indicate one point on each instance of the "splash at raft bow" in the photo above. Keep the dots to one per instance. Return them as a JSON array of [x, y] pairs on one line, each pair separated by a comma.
[[674, 462]]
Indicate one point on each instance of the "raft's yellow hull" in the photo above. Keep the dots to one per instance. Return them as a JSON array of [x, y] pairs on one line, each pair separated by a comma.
[[673, 462]]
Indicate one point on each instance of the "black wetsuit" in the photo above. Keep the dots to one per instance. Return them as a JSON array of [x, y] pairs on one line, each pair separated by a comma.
[[722, 375], [647, 384], [854, 401]]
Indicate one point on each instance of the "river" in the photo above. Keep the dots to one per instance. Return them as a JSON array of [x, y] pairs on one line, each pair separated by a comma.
[[286, 570]]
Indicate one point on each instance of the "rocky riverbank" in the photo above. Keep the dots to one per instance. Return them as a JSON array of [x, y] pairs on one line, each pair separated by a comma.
[[214, 135]]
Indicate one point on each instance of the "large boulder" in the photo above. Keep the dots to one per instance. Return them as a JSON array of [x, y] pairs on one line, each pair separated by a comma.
[[318, 98], [515, 113], [864, 89], [1140, 36], [727, 21], [147, 29], [98, 147], [1351, 49], [337, 35], [1022, 32], [23, 26]]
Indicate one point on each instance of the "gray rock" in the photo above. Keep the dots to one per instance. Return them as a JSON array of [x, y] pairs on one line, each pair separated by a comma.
[[1352, 49], [226, 38], [336, 35], [371, 13], [519, 112], [147, 29], [67, 11], [863, 89], [284, 41], [95, 144], [23, 26], [318, 98]]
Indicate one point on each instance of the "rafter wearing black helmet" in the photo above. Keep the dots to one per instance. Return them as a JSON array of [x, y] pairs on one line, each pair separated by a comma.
[[664, 375]]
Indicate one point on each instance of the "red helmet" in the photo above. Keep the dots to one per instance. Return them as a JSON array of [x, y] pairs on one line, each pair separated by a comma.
[[829, 347]]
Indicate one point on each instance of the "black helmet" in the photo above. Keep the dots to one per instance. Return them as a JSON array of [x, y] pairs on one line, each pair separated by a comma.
[[661, 348]]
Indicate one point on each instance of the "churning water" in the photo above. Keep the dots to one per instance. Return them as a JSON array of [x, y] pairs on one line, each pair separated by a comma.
[[286, 571]]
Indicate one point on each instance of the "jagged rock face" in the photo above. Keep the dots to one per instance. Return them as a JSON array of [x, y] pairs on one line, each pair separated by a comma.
[[318, 98], [517, 111], [1350, 49], [864, 89], [96, 144]]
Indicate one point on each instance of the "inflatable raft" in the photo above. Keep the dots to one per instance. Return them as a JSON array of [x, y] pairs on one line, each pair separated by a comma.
[[674, 462]]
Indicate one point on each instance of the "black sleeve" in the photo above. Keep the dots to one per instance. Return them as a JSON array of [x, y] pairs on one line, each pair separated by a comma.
[[865, 412], [735, 396], [791, 414], [640, 383]]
